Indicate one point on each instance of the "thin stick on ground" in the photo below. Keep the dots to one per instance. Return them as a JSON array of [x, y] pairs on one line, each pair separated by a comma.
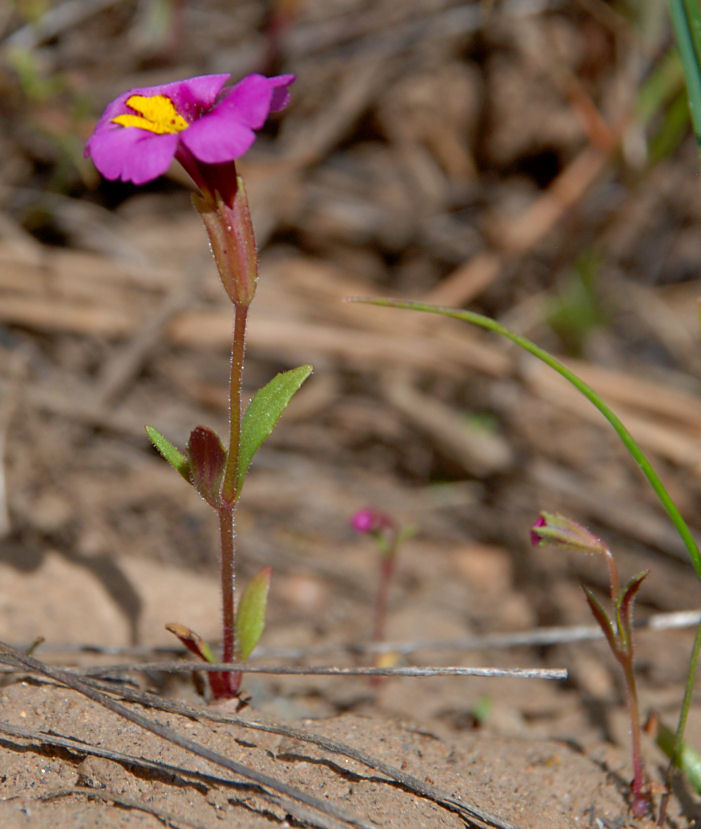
[[293, 670], [536, 637]]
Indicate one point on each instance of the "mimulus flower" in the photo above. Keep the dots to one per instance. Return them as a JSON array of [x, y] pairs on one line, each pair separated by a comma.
[[371, 521], [197, 121]]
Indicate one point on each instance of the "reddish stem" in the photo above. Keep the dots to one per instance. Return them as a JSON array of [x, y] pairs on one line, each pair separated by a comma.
[[640, 803], [229, 492], [227, 685], [387, 568], [614, 584], [386, 572]]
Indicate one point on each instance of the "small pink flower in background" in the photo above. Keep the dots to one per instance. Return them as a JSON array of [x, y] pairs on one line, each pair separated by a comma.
[[372, 521], [364, 521], [198, 121]]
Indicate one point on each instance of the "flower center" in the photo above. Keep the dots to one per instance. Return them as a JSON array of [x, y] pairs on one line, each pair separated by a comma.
[[156, 114]]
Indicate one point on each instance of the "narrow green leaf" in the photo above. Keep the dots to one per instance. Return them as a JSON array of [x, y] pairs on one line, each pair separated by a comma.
[[686, 22], [602, 618], [624, 609], [173, 455], [688, 759], [250, 614], [263, 413], [630, 591]]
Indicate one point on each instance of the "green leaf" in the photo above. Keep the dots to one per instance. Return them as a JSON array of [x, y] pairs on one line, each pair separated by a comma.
[[630, 591], [624, 609], [250, 614], [688, 760], [174, 456], [603, 619], [263, 413]]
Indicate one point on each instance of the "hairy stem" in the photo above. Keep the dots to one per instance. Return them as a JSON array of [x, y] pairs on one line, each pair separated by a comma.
[[228, 581], [640, 803], [614, 584], [229, 491], [226, 685]]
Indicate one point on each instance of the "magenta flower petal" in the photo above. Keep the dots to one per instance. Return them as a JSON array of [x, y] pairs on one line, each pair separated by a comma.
[[281, 91], [226, 133], [193, 97], [215, 139], [536, 537], [248, 102], [363, 521], [132, 155]]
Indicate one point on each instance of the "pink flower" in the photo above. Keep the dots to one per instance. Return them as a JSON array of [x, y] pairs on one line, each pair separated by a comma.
[[203, 125], [372, 521], [364, 521], [536, 537]]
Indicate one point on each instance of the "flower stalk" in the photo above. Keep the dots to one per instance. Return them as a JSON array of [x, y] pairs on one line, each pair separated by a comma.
[[388, 536], [229, 490]]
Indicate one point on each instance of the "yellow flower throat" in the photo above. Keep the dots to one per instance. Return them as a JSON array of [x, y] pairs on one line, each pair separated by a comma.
[[155, 114]]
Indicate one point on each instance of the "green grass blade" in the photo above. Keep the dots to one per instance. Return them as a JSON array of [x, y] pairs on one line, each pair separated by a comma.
[[625, 436], [686, 22]]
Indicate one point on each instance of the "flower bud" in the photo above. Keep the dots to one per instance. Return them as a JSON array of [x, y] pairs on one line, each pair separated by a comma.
[[554, 528], [233, 243]]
